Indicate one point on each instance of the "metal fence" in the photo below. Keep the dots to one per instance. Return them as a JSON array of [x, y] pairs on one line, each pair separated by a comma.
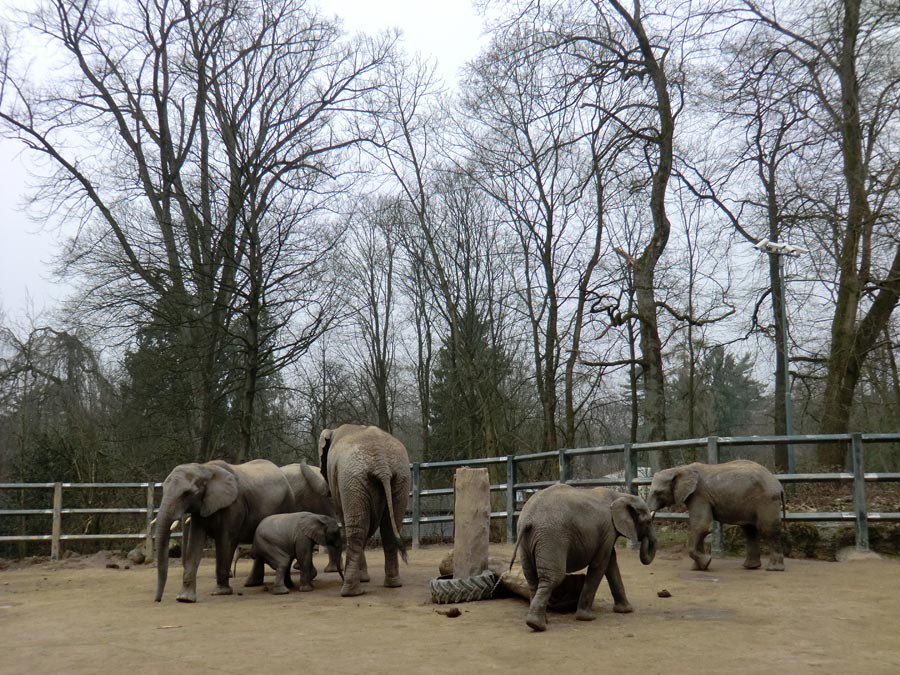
[[511, 490]]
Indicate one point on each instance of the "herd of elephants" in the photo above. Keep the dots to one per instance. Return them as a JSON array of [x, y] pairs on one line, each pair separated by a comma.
[[363, 486]]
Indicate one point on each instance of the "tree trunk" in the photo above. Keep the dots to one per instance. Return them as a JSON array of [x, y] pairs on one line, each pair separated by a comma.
[[851, 341]]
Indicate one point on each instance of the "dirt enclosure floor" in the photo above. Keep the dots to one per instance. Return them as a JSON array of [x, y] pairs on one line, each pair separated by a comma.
[[79, 617]]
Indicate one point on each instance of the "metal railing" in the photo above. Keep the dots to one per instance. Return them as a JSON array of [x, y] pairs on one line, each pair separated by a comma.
[[56, 511], [630, 481], [562, 459]]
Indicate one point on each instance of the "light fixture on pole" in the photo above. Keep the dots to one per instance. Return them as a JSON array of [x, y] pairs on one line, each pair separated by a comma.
[[781, 250]]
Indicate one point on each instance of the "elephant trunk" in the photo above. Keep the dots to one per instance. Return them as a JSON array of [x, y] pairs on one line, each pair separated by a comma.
[[168, 513], [648, 548], [340, 567]]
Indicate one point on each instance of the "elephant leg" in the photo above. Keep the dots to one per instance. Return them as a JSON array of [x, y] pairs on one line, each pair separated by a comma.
[[304, 554], [391, 553], [776, 551], [363, 566], [751, 535], [548, 580], [356, 543], [192, 552], [334, 560], [595, 572], [225, 549], [283, 583], [616, 587], [700, 525], [257, 574]]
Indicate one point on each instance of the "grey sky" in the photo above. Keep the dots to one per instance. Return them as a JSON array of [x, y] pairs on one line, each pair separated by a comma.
[[449, 31]]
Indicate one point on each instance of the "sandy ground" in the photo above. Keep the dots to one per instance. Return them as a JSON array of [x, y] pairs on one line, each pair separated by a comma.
[[80, 617]]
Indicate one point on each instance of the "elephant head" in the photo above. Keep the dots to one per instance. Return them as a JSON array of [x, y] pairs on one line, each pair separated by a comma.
[[632, 520], [671, 487], [199, 489], [326, 532]]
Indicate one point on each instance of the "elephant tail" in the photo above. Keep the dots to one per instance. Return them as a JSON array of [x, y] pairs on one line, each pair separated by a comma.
[[783, 509], [522, 532], [388, 495]]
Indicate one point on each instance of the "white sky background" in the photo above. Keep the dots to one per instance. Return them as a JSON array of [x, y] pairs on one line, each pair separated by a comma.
[[448, 31]]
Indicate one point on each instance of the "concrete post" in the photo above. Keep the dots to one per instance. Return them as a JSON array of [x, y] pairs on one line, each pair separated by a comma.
[[471, 521]]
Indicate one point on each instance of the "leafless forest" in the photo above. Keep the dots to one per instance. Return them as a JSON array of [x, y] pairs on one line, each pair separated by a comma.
[[625, 222]]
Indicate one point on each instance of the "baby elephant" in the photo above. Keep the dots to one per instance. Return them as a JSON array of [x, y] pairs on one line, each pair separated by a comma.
[[284, 537], [563, 529], [738, 493]]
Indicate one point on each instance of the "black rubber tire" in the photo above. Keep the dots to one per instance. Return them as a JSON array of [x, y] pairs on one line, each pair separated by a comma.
[[450, 591]]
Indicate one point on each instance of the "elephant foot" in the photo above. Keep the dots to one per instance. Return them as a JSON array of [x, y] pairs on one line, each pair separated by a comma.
[[331, 567], [364, 577], [187, 595], [392, 582], [752, 564], [350, 591], [279, 590], [536, 622], [304, 587], [222, 590], [623, 608], [701, 562], [585, 615], [252, 582], [775, 566]]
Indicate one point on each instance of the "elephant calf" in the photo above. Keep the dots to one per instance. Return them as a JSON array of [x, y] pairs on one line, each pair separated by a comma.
[[737, 493], [282, 538], [564, 529]]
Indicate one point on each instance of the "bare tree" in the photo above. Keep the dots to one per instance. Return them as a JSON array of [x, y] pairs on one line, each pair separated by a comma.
[[195, 141], [848, 54]]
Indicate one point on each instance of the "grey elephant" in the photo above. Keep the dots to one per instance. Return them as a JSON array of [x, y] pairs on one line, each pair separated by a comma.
[[367, 471], [225, 502], [740, 492], [564, 529], [285, 537]]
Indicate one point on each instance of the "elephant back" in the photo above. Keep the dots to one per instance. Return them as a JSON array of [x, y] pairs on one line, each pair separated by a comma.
[[309, 489]]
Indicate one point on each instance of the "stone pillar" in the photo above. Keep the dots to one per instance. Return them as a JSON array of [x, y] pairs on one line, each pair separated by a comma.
[[471, 521]]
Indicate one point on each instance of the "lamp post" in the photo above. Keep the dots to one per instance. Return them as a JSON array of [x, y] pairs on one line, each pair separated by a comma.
[[781, 250]]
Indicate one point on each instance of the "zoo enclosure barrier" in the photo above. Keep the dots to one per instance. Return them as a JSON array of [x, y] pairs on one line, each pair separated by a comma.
[[631, 479]]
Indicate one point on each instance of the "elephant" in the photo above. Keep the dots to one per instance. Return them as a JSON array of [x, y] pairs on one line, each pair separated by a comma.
[[311, 494], [285, 537], [367, 471], [226, 502], [740, 492], [563, 529]]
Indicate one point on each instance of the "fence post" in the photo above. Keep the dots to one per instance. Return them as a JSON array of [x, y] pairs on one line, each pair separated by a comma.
[[510, 499], [416, 504], [630, 470], [859, 492], [717, 547], [57, 522], [151, 505], [563, 466]]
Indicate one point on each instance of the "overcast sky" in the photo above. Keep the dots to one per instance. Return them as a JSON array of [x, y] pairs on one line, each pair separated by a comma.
[[450, 31]]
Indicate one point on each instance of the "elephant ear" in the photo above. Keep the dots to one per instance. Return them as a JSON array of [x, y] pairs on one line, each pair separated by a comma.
[[314, 480], [623, 516], [324, 445], [313, 527], [221, 490], [685, 484]]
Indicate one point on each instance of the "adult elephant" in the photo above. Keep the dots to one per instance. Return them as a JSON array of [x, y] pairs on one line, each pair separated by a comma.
[[564, 529], [367, 471], [740, 492], [225, 502]]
